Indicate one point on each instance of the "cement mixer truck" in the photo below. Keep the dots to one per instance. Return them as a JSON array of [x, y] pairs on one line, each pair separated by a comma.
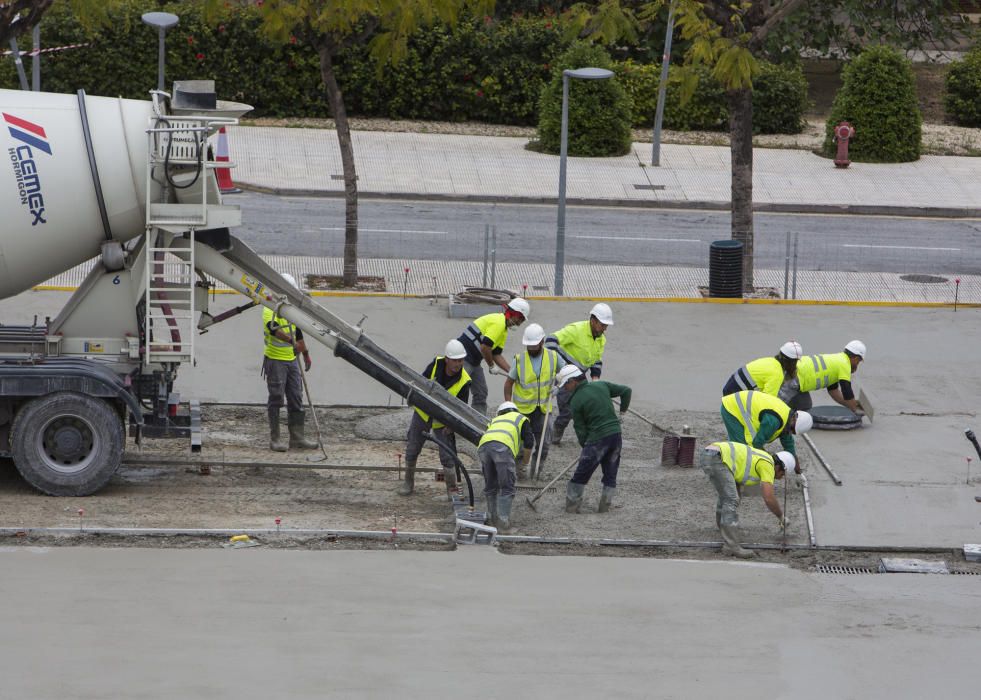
[[129, 186]]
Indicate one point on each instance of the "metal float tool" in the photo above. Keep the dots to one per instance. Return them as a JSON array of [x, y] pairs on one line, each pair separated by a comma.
[[531, 501], [867, 405]]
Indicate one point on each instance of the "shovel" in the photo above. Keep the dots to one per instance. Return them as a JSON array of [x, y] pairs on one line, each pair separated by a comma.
[[531, 501]]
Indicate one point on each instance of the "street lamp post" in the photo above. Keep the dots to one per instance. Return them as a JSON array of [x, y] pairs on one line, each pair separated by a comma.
[[162, 21], [579, 74]]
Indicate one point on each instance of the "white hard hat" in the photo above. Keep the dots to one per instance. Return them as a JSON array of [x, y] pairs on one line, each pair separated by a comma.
[[856, 347], [289, 278], [534, 334], [792, 349], [455, 350], [603, 313], [566, 373], [507, 406], [804, 422], [521, 306], [789, 463]]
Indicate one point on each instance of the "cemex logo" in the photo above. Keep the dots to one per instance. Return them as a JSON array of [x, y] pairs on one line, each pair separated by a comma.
[[33, 138]]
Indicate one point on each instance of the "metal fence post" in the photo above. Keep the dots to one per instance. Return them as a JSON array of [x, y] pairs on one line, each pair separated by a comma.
[[786, 269], [486, 251], [493, 257], [796, 233]]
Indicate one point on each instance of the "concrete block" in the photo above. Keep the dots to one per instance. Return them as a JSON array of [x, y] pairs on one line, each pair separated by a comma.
[[912, 566]]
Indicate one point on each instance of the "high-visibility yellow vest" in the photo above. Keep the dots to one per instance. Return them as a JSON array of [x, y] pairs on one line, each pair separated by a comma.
[[505, 429], [492, 325], [821, 371], [747, 406], [277, 349], [764, 374], [530, 390], [454, 390], [577, 341], [748, 465]]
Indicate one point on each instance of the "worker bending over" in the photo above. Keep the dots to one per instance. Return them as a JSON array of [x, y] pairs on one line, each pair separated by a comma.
[[730, 466], [529, 386], [508, 436], [484, 341], [756, 419], [449, 373], [767, 374], [598, 429], [832, 372], [581, 344], [280, 367]]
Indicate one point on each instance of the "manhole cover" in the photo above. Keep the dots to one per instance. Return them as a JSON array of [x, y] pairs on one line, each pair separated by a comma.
[[924, 279], [834, 418]]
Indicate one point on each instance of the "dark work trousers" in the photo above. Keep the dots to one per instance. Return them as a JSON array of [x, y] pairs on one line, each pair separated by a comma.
[[414, 441], [564, 416], [478, 386], [283, 381], [498, 466], [604, 453], [536, 419]]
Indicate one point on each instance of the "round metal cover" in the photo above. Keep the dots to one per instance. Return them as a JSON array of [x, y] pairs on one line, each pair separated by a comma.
[[923, 279], [835, 418]]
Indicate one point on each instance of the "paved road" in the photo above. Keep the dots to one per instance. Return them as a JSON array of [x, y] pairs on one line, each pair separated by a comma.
[[613, 235]]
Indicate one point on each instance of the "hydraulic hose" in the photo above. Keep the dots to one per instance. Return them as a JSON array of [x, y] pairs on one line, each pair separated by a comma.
[[459, 463]]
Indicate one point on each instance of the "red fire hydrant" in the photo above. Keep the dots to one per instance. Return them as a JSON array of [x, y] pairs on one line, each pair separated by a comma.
[[843, 133]]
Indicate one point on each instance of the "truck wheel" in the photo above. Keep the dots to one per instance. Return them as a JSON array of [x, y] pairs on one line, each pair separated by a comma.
[[67, 444]]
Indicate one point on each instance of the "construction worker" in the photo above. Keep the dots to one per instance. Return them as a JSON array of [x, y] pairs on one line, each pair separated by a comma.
[[598, 429], [508, 436], [755, 418], [529, 385], [580, 344], [447, 371], [767, 374], [280, 367], [832, 372], [730, 466], [484, 341]]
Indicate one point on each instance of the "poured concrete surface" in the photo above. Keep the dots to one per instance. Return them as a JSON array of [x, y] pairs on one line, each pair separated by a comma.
[[132, 623]]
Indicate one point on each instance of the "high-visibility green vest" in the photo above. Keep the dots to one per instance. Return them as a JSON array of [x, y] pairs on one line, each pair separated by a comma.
[[454, 390], [277, 349], [745, 470], [577, 341], [821, 371], [747, 406], [505, 429], [530, 390], [492, 325], [765, 374]]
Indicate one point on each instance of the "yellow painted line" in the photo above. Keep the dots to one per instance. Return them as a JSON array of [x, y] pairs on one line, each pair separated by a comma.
[[619, 300]]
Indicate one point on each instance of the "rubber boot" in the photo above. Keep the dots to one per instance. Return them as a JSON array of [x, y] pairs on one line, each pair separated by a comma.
[[521, 471], [606, 499], [409, 480], [298, 439], [449, 478], [276, 443], [504, 514], [492, 509], [557, 435], [731, 546], [573, 497]]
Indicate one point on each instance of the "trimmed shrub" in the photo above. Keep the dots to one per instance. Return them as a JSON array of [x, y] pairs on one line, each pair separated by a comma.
[[963, 90], [779, 99], [878, 98], [599, 110]]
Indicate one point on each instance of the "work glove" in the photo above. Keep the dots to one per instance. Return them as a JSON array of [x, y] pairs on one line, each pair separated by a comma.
[[800, 480], [300, 346], [784, 523], [307, 362]]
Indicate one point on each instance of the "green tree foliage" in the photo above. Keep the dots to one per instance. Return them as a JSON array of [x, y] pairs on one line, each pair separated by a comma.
[[963, 90], [599, 110], [878, 98]]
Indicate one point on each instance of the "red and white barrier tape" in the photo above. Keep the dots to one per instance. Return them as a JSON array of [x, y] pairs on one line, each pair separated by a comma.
[[51, 50]]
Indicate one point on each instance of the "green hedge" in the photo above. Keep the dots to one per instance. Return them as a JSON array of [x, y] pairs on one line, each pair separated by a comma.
[[485, 69], [599, 110], [878, 98], [963, 90]]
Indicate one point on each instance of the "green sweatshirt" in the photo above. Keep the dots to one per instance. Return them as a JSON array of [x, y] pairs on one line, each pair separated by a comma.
[[769, 425], [592, 409]]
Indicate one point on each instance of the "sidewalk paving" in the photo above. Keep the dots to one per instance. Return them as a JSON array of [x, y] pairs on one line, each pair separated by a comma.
[[489, 168]]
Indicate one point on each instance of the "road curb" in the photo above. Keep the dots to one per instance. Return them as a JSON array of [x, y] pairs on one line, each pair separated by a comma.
[[671, 204]]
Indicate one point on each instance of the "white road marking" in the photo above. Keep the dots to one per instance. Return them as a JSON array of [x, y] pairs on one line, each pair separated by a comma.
[[640, 238], [386, 230], [897, 247]]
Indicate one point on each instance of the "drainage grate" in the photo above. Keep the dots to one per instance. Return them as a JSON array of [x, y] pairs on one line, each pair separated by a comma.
[[649, 187], [838, 569], [924, 279], [966, 573]]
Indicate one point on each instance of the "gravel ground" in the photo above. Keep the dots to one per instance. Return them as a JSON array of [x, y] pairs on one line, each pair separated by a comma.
[[938, 139]]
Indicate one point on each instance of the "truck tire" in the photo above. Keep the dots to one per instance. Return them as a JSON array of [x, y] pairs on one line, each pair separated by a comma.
[[67, 444]]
